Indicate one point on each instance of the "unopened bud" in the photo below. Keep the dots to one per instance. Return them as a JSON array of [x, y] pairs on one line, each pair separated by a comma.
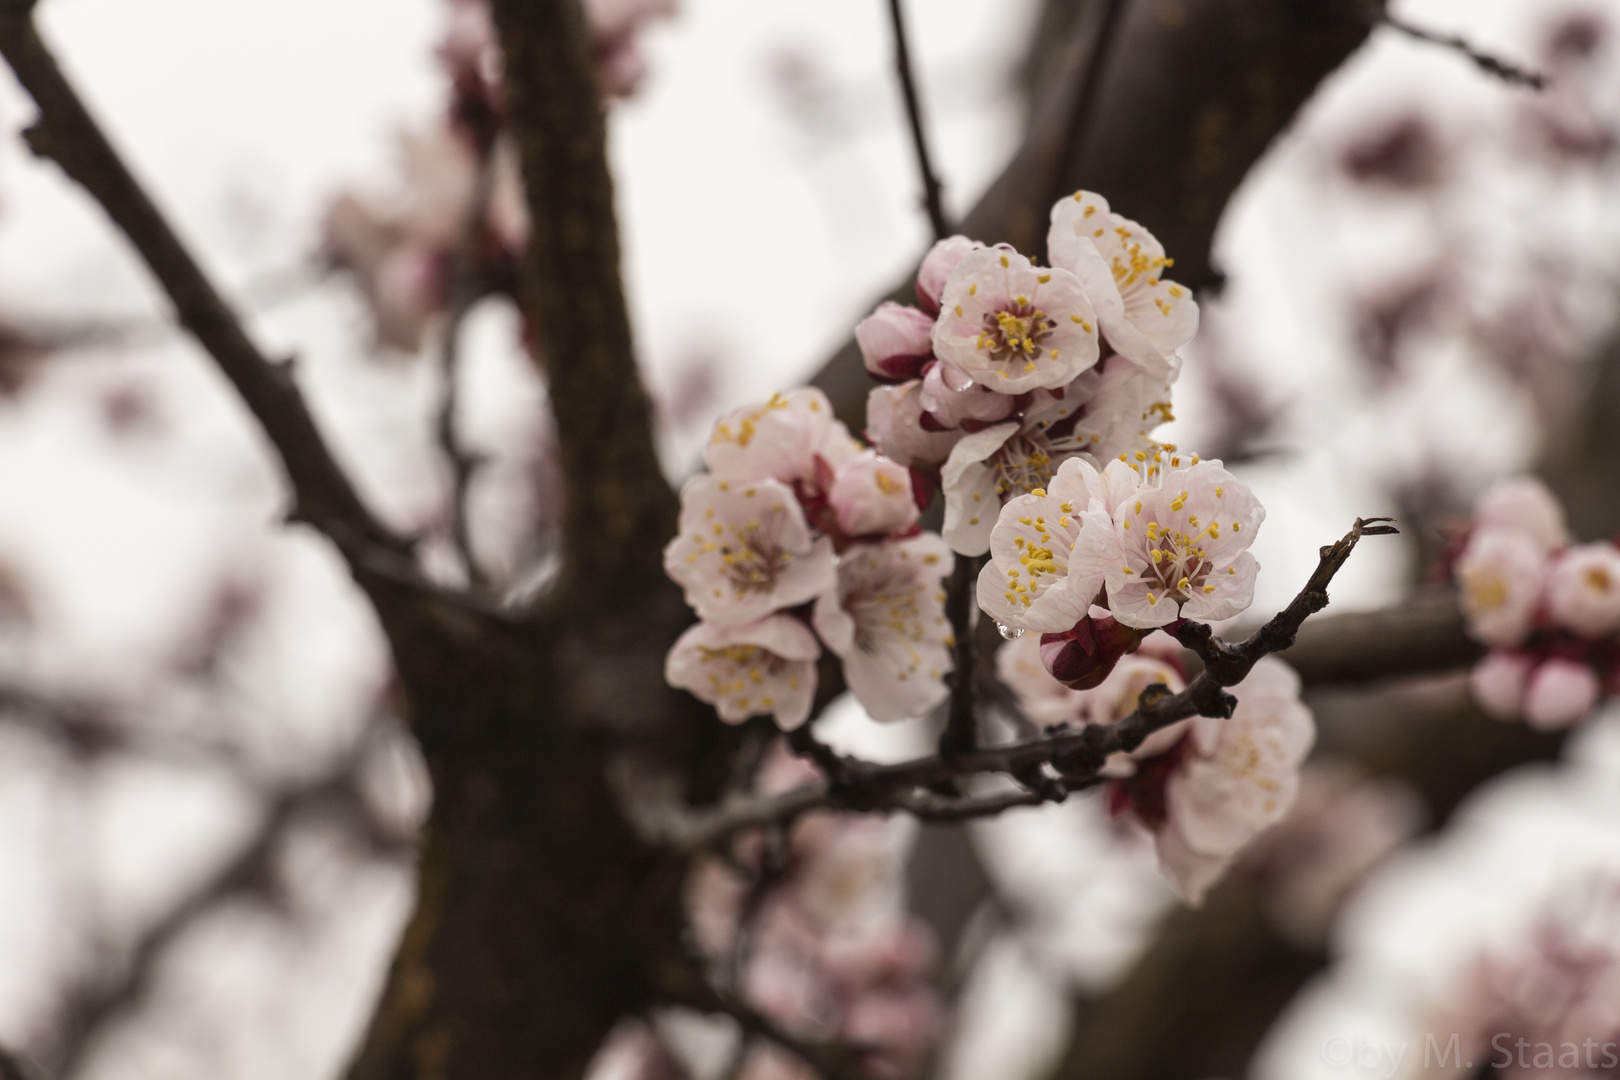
[[1082, 656], [895, 342]]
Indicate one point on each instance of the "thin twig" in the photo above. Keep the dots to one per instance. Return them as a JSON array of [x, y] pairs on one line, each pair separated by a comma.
[[933, 201], [1065, 760], [961, 732], [464, 292], [67, 134], [1491, 65]]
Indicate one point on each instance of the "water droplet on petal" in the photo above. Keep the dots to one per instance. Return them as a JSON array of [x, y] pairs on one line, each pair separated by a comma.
[[1011, 633]]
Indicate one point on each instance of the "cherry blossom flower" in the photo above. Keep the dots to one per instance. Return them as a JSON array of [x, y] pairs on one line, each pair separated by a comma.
[[936, 269], [1523, 504], [1500, 573], [895, 341], [1498, 683], [1583, 589], [871, 495], [1559, 694], [1239, 778], [1144, 316], [886, 621], [778, 440], [753, 669], [990, 466], [1178, 548], [744, 550], [894, 426], [1031, 582], [1012, 326]]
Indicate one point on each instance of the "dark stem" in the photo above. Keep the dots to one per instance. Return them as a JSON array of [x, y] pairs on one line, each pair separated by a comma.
[[1085, 98], [932, 200], [1491, 65], [961, 732]]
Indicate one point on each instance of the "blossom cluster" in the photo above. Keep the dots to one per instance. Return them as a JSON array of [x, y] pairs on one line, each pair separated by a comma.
[[797, 538], [818, 937], [1007, 369], [1548, 609], [1204, 787], [1154, 537]]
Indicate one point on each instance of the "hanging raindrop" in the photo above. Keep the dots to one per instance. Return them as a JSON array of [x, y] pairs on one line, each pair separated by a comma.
[[1011, 633]]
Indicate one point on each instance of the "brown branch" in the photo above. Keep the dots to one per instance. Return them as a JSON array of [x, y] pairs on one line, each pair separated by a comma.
[[961, 732], [618, 502], [67, 134], [1074, 756], [932, 200], [1083, 101], [1490, 65], [835, 1061]]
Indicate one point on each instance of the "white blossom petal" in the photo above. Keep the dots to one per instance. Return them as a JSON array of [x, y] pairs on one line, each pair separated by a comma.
[[752, 669]]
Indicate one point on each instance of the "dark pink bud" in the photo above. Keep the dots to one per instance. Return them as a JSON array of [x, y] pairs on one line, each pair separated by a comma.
[[1082, 656], [895, 342]]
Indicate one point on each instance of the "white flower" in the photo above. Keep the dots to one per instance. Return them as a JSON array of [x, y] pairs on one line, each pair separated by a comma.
[[894, 426], [1583, 589], [872, 495], [1041, 698], [744, 550], [1500, 574], [1012, 326], [1145, 317], [1013, 458], [1179, 547], [1239, 778], [754, 669], [1524, 504], [779, 440], [1030, 582], [1123, 405], [886, 621]]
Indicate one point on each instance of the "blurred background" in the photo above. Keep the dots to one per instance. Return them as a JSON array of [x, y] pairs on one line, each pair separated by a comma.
[[207, 800]]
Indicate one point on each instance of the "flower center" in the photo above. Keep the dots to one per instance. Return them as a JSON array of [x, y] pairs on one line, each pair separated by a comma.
[[1178, 561], [1598, 579], [1016, 334], [754, 559], [1023, 464]]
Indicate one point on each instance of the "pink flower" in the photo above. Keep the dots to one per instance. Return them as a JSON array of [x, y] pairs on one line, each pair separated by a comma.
[[1178, 549], [1560, 693], [1498, 683], [1145, 317], [1012, 326], [894, 426], [895, 341], [1239, 778], [871, 495], [936, 269], [744, 550], [1500, 574], [1031, 581], [778, 440], [1583, 589], [886, 621], [754, 669], [1014, 458], [1523, 504], [952, 398]]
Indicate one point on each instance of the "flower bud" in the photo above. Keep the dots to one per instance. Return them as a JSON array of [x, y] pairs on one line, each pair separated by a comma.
[[937, 266], [1082, 656], [895, 342], [1498, 684], [953, 399], [871, 495], [1561, 692]]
